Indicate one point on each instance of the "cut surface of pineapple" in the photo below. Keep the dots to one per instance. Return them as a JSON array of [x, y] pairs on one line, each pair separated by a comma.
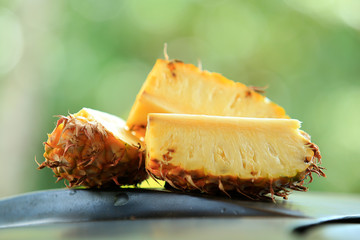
[[252, 156], [176, 87], [93, 149]]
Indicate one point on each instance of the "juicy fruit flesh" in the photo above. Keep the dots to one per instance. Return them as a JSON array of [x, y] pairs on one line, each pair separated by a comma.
[[240, 151], [175, 87], [93, 149], [244, 147]]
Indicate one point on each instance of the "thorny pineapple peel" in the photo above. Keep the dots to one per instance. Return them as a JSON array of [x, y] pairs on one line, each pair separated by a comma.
[[176, 87], [251, 156], [93, 149]]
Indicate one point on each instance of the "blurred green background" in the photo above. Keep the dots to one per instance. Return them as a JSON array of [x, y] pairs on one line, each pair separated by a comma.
[[59, 56]]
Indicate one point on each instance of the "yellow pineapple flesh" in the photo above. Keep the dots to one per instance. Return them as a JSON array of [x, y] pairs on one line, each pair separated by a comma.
[[176, 87], [254, 157], [94, 149]]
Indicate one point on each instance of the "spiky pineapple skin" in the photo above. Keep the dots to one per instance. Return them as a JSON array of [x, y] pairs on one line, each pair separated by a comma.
[[254, 188], [82, 152]]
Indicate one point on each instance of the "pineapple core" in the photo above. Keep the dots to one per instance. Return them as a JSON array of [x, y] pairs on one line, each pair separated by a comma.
[[247, 155], [175, 87], [94, 149]]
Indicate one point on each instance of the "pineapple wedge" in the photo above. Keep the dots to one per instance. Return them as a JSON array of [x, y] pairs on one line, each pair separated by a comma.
[[176, 87], [93, 149], [249, 156]]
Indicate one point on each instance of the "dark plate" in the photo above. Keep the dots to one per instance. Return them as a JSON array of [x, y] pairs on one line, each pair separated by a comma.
[[154, 214], [69, 205]]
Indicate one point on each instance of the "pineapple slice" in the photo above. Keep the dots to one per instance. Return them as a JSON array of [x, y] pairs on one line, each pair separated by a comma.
[[93, 149], [176, 87], [250, 156]]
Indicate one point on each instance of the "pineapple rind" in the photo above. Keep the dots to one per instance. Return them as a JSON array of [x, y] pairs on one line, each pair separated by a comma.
[[254, 188], [83, 152]]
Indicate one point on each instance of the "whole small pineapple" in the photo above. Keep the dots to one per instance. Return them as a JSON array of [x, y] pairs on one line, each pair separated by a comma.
[[94, 149], [253, 157]]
